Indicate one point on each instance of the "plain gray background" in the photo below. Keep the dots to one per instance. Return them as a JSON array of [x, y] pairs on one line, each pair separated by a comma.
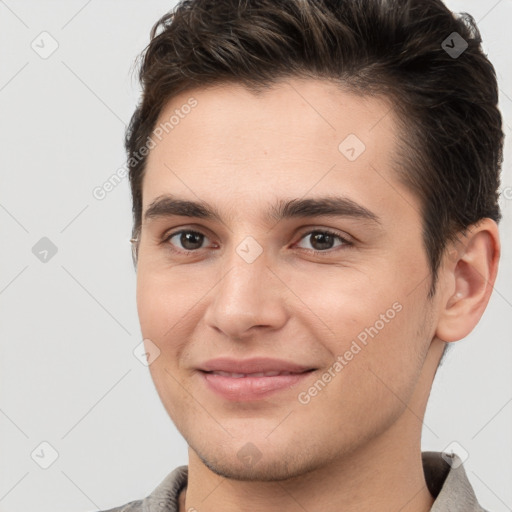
[[69, 326]]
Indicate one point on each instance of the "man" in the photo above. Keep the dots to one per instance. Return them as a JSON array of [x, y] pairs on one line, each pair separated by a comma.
[[315, 209]]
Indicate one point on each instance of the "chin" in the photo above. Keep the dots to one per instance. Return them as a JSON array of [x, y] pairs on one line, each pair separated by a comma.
[[251, 465]]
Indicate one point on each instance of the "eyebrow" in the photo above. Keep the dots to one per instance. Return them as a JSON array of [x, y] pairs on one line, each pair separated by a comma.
[[169, 205]]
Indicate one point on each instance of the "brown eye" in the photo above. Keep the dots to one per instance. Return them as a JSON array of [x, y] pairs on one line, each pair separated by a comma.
[[324, 240], [189, 240]]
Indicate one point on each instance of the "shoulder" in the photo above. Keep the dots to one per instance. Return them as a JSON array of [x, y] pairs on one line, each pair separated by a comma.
[[163, 497], [133, 506], [448, 483]]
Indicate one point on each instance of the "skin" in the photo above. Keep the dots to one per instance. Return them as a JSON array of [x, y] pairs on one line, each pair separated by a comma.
[[356, 444]]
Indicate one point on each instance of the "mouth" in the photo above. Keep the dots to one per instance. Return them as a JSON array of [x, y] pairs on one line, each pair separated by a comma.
[[256, 374], [234, 386]]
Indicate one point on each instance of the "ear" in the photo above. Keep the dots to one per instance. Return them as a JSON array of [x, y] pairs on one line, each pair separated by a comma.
[[469, 271]]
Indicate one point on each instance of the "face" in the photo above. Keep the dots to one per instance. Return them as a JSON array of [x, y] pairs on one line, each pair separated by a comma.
[[307, 252]]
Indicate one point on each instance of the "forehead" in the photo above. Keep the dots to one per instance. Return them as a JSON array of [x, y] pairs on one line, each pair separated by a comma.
[[224, 142]]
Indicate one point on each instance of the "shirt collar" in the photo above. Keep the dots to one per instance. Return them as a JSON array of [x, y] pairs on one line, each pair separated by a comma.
[[448, 483], [444, 474]]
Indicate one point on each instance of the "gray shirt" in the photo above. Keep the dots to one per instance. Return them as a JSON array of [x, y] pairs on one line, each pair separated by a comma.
[[447, 482]]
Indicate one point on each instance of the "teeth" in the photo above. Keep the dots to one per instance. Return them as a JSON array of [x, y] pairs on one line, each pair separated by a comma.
[[226, 374], [260, 374]]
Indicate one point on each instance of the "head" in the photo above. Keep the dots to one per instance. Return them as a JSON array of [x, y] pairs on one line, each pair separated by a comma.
[[273, 116]]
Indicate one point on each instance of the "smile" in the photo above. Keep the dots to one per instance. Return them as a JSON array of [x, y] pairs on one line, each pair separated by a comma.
[[251, 386]]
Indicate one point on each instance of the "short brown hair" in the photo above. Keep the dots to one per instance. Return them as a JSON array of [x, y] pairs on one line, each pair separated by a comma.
[[451, 144]]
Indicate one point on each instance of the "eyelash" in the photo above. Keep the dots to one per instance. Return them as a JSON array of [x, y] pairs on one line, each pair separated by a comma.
[[346, 243]]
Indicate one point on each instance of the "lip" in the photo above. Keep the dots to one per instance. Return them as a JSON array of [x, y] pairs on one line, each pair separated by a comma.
[[253, 365], [247, 388]]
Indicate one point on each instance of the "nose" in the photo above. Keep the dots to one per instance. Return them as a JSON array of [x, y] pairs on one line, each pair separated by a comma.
[[249, 298]]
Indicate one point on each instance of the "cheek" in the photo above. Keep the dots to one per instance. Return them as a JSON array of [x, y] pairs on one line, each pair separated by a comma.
[[376, 326], [160, 311], [164, 299], [169, 310], [380, 365], [390, 361], [176, 401], [340, 303]]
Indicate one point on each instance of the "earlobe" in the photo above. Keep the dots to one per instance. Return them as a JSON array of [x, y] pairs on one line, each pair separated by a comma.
[[469, 280]]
